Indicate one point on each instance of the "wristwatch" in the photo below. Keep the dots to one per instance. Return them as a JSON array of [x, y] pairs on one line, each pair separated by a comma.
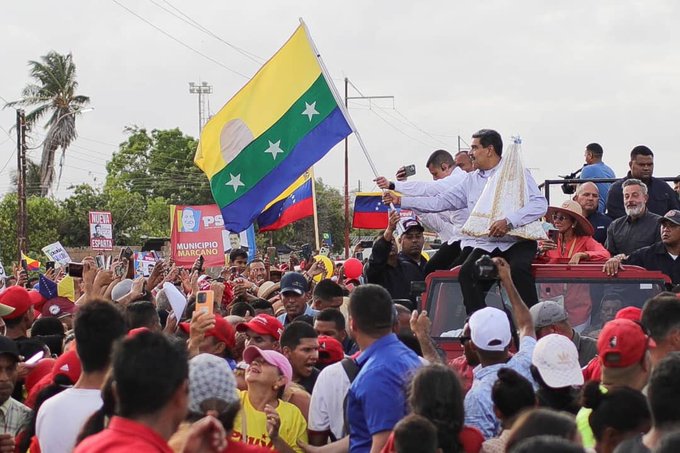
[[510, 225]]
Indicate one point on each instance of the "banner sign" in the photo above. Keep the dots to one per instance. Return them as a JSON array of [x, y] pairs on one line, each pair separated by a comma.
[[57, 253], [101, 230], [199, 230], [144, 263]]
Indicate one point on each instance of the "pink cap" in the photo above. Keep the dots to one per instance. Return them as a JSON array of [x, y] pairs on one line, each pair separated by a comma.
[[271, 357]]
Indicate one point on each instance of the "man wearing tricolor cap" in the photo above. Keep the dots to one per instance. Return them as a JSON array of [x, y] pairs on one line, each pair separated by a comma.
[[490, 335]]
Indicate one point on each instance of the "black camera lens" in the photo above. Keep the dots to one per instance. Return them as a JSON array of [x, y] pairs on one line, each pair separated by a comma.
[[486, 268]]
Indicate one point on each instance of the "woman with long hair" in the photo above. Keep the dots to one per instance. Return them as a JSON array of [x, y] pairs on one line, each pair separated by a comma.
[[436, 394]]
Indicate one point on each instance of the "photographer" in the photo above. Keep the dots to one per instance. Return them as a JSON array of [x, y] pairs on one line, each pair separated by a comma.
[[490, 335]]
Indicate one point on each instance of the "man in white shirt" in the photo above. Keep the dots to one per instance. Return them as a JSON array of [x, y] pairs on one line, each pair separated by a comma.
[[446, 174], [487, 151], [97, 326]]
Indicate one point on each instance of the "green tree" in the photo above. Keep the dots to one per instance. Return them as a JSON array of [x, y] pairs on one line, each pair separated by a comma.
[[75, 229], [52, 92], [44, 218], [159, 164]]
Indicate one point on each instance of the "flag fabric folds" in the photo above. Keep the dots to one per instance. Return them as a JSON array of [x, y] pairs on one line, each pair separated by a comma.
[[369, 211], [293, 204], [277, 126], [31, 264]]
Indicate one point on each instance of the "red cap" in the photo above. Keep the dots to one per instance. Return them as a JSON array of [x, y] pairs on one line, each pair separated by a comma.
[[264, 325], [622, 343], [632, 313], [223, 331], [57, 307], [68, 364], [18, 298], [330, 350], [134, 332], [37, 299], [42, 368]]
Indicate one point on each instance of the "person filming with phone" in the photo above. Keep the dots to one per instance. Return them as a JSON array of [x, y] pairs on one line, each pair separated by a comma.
[[446, 173]]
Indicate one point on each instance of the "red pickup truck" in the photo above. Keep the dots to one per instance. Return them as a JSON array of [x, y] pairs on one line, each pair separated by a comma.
[[581, 288]]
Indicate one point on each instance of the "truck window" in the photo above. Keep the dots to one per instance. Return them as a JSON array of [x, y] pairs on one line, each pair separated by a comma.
[[589, 303]]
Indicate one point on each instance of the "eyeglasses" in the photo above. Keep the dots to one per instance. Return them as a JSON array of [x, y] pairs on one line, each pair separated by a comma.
[[559, 217], [463, 339]]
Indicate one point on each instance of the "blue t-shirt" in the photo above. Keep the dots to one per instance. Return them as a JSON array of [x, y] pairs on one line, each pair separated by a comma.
[[599, 170], [479, 411], [377, 398]]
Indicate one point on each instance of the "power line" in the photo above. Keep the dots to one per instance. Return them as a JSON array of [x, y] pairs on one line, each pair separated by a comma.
[[188, 20], [408, 121], [177, 40]]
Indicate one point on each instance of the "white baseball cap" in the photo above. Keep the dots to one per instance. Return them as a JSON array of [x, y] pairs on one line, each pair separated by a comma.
[[490, 329], [556, 358]]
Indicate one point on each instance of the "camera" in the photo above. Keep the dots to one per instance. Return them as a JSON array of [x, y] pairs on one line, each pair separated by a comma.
[[570, 188], [486, 269]]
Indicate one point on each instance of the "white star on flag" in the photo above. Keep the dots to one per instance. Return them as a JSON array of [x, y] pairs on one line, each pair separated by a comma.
[[235, 181], [274, 148], [310, 110]]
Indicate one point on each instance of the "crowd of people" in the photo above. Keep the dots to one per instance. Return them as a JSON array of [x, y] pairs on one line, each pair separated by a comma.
[[254, 357]]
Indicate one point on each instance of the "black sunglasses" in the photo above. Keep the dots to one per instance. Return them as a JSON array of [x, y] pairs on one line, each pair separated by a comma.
[[463, 339]]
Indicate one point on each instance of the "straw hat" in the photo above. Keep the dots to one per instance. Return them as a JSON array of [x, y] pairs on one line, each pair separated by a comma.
[[573, 210]]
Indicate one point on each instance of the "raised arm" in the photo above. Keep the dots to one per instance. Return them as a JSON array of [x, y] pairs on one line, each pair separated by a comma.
[[520, 311]]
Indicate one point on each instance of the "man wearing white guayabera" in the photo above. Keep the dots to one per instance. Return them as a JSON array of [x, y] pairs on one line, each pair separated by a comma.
[[505, 206]]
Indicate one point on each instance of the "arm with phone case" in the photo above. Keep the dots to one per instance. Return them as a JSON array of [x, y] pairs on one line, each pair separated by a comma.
[[201, 322]]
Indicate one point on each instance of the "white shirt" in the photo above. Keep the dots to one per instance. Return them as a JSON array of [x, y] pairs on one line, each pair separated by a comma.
[[61, 418], [447, 224], [466, 194], [326, 408]]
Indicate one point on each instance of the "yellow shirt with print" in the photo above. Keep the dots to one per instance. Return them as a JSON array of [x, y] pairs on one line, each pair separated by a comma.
[[293, 425]]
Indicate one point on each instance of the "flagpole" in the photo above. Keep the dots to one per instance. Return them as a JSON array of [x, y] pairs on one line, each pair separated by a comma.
[[316, 217], [338, 99]]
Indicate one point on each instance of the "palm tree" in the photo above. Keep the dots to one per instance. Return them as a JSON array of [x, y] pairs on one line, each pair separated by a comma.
[[52, 93]]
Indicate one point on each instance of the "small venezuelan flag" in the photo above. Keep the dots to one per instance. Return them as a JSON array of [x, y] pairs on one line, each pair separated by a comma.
[[278, 125], [293, 204], [31, 264], [369, 211]]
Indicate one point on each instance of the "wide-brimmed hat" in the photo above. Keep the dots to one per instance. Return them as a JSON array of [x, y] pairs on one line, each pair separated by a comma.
[[574, 210]]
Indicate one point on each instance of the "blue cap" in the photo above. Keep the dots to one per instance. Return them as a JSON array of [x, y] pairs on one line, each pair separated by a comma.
[[295, 282]]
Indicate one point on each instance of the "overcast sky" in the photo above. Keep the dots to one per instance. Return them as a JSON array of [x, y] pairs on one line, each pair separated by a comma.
[[561, 74]]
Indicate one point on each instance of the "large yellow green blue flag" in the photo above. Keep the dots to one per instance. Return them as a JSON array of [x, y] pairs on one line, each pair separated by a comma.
[[276, 127]]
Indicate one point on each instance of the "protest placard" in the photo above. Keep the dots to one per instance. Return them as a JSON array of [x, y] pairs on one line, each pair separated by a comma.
[[101, 230], [57, 253]]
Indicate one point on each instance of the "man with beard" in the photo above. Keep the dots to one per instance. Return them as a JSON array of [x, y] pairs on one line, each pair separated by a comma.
[[661, 196], [639, 226], [395, 270]]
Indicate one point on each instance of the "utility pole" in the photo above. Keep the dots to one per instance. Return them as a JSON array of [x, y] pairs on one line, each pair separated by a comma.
[[203, 107], [22, 219], [347, 98]]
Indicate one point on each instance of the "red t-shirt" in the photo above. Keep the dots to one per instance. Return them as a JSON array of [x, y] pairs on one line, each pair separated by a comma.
[[470, 439], [124, 435]]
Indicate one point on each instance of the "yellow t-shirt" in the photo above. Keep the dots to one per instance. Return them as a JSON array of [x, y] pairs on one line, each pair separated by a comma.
[[293, 425]]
